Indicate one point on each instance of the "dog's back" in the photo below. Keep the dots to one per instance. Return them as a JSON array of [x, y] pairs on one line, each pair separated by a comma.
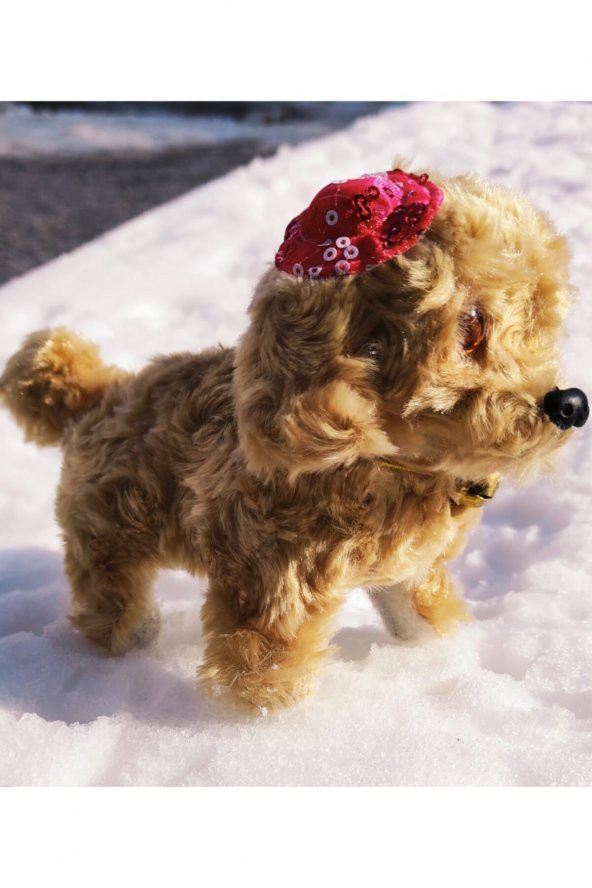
[[57, 385]]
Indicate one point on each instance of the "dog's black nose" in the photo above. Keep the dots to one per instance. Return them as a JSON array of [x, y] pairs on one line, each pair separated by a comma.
[[566, 408]]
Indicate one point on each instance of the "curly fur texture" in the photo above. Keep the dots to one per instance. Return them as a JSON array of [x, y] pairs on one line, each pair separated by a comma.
[[323, 453]]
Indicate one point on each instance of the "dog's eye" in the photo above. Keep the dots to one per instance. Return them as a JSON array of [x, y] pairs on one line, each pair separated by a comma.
[[472, 327]]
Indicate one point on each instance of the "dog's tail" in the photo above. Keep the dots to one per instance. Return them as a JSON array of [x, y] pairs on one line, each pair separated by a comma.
[[53, 378]]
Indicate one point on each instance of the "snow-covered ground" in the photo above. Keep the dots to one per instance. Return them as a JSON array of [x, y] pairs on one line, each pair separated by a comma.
[[508, 700]]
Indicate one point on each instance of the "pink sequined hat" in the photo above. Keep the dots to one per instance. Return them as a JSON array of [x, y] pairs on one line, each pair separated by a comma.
[[355, 224]]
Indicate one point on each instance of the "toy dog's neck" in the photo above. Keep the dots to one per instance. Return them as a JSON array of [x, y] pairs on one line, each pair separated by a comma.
[[467, 493]]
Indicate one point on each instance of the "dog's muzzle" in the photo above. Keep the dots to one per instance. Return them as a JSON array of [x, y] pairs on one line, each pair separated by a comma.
[[566, 407]]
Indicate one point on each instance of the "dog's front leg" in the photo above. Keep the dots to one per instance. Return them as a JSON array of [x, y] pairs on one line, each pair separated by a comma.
[[263, 646], [398, 612], [411, 610]]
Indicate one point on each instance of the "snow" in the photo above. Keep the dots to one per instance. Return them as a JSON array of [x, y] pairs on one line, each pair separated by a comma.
[[506, 701]]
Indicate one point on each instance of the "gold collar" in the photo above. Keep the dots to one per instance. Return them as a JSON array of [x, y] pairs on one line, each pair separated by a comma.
[[473, 494], [476, 494]]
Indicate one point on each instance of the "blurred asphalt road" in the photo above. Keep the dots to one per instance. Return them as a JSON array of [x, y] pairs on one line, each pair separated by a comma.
[[51, 204]]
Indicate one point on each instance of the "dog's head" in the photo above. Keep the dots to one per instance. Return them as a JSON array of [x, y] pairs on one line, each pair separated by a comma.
[[443, 358]]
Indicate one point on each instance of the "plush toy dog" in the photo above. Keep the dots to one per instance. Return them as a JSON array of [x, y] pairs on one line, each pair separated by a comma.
[[400, 355]]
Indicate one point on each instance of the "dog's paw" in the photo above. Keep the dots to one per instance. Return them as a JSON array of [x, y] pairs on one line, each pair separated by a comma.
[[255, 693], [117, 636], [249, 671], [147, 632]]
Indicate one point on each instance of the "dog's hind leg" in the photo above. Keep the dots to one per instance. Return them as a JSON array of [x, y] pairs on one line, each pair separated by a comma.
[[409, 609], [111, 531], [112, 599]]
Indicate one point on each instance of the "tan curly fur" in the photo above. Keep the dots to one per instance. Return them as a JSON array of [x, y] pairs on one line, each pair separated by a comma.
[[304, 462]]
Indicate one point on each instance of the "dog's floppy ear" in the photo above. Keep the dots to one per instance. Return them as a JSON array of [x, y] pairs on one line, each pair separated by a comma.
[[302, 404]]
